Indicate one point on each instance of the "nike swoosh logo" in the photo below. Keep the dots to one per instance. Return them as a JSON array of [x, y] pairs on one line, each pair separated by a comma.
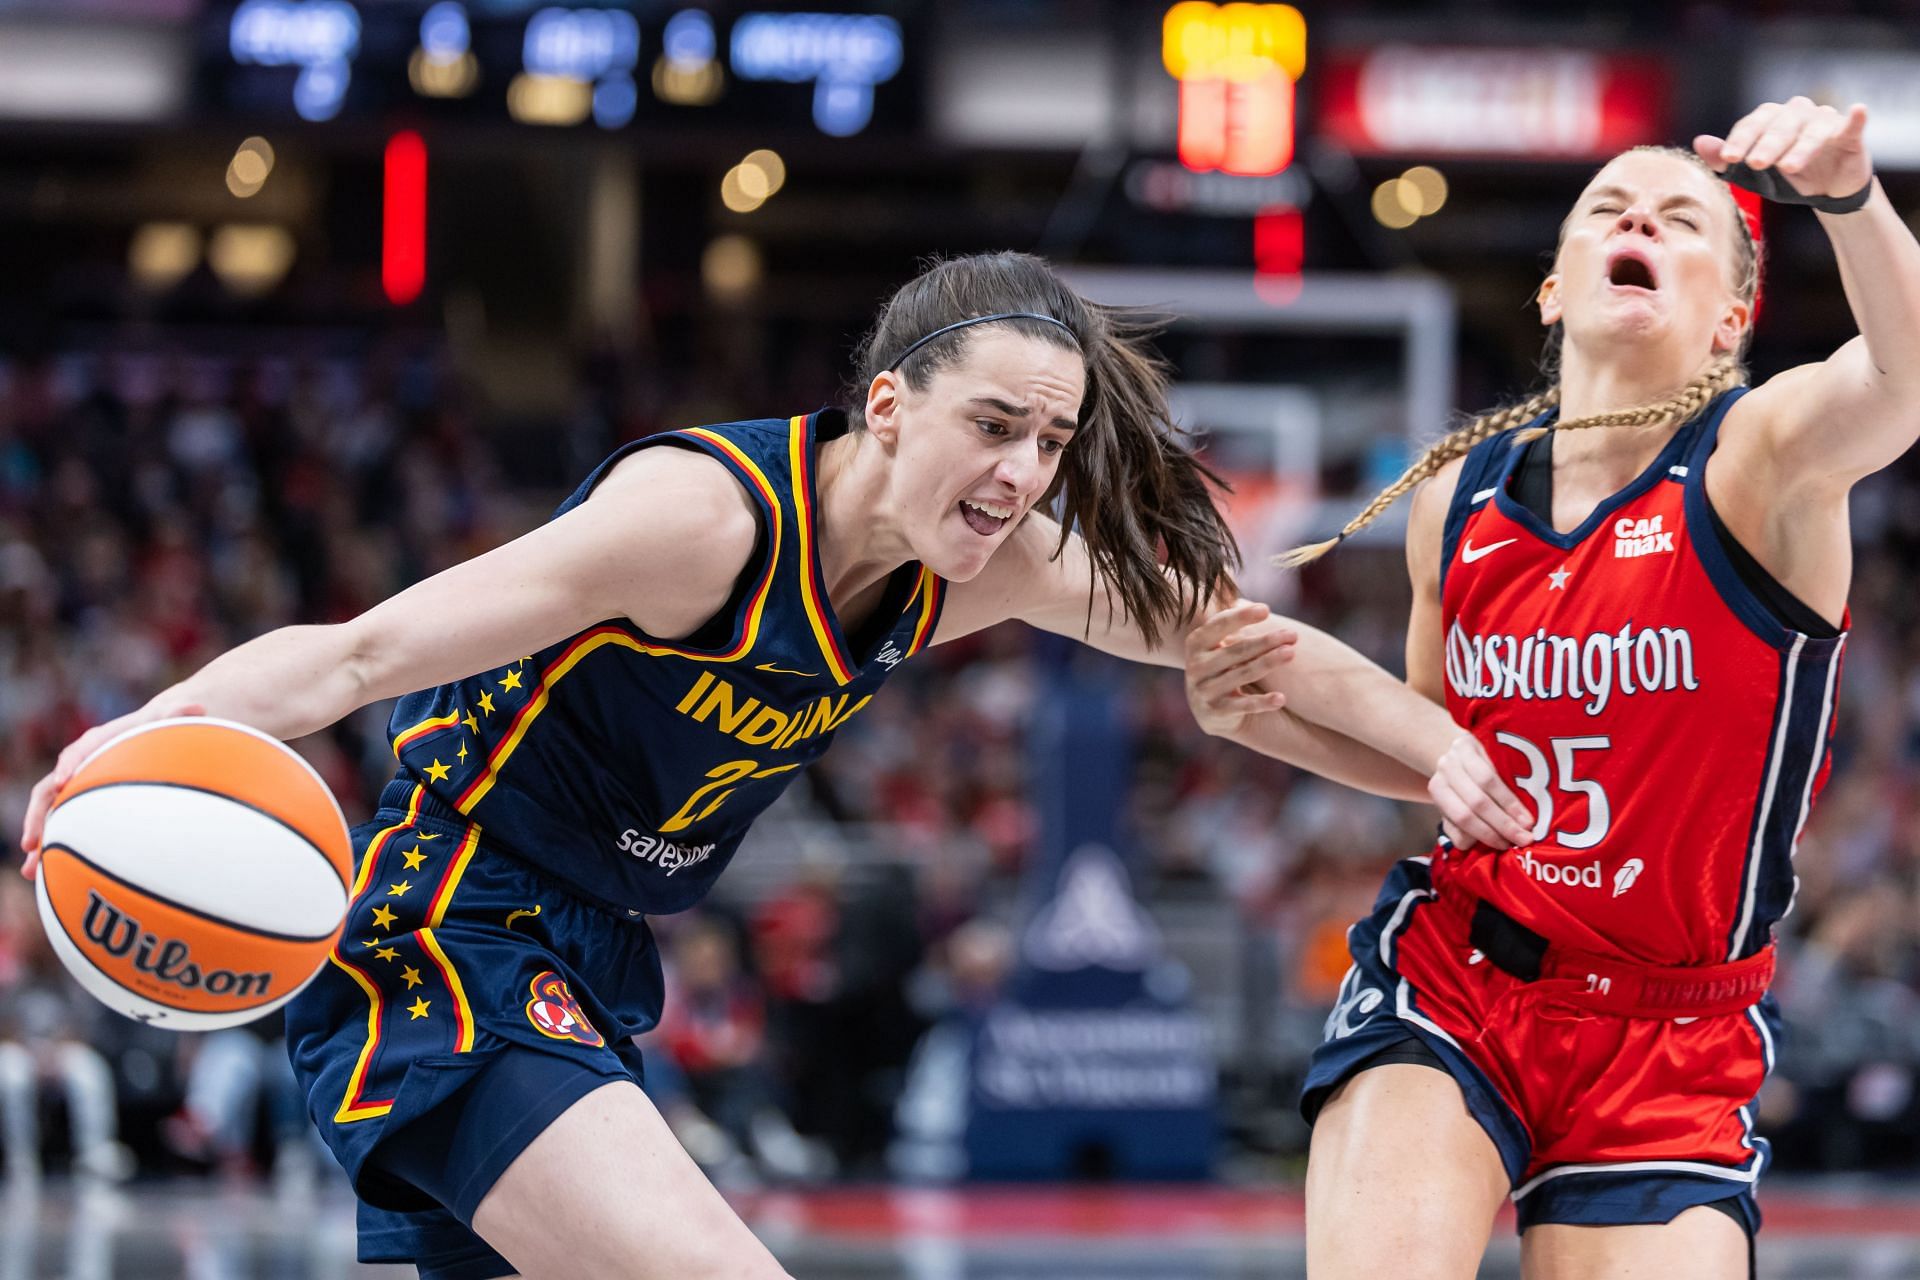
[[783, 671], [1470, 553]]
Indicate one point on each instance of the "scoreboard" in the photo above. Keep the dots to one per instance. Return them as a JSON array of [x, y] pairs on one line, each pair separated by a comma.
[[566, 66]]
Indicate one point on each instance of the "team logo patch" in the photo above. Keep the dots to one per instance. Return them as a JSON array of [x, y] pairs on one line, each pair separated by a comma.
[[554, 1012]]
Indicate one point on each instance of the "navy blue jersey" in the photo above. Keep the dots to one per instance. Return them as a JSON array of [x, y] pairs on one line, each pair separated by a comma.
[[630, 767]]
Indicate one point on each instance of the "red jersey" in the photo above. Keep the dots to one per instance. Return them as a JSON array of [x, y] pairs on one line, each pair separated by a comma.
[[1669, 731]]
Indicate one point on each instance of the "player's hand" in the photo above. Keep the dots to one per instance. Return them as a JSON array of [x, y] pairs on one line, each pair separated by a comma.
[[48, 788], [1228, 656], [1476, 806], [1820, 151]]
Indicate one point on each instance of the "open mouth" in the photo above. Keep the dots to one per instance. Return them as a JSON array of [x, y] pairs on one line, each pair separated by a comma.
[[984, 518], [1630, 272]]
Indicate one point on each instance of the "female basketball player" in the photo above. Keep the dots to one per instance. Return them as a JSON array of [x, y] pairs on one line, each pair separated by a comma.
[[657, 663], [1644, 625]]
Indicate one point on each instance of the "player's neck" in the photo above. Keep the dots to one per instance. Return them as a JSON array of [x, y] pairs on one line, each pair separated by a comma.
[[1621, 380], [859, 532]]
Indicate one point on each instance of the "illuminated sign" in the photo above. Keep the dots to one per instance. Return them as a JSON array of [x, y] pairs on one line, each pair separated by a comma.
[[565, 51], [1236, 64], [1547, 104], [318, 36], [845, 55], [1887, 81]]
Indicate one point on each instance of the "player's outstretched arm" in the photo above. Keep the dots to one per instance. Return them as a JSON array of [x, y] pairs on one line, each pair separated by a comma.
[[1832, 423], [660, 542], [1035, 579]]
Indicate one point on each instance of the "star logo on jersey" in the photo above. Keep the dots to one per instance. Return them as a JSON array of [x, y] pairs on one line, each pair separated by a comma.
[[555, 1014], [1557, 580], [1469, 553]]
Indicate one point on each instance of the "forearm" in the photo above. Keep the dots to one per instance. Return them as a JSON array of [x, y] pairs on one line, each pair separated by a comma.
[[1334, 756], [1328, 684], [288, 683], [1879, 264]]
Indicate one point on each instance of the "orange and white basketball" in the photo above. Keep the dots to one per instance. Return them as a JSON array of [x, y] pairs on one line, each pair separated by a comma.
[[194, 873]]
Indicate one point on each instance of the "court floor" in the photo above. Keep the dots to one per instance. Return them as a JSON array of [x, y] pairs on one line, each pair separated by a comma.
[[201, 1231]]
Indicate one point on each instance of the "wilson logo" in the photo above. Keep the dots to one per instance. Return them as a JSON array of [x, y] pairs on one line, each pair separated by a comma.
[[168, 959]]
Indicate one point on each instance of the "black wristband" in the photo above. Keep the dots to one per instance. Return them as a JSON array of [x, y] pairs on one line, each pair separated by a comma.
[[1771, 185]]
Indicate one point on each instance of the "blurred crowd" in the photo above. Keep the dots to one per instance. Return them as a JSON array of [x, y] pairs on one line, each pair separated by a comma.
[[158, 506]]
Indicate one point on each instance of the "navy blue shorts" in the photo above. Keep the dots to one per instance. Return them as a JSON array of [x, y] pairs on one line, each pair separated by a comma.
[[470, 1001], [1409, 998]]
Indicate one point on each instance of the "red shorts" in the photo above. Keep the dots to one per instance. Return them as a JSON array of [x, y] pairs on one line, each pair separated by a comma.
[[1600, 1118]]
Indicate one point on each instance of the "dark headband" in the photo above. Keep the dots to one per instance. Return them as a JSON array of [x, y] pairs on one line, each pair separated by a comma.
[[998, 315]]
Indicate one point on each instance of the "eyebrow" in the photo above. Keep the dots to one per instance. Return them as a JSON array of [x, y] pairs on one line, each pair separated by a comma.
[[1014, 411], [1621, 193]]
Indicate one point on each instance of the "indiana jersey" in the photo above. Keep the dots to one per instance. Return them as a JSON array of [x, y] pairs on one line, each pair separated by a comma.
[[630, 767], [1669, 732]]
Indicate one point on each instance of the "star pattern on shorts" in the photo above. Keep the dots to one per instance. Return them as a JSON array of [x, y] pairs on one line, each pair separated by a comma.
[[486, 704], [383, 917], [437, 771], [399, 890], [412, 975], [1559, 579], [473, 726], [387, 953], [461, 755], [512, 681], [413, 858], [418, 1008]]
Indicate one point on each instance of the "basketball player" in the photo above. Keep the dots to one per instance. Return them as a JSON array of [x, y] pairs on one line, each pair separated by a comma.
[[1643, 622], [656, 665]]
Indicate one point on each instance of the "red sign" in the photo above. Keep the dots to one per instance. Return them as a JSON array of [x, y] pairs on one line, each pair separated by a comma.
[[1539, 104]]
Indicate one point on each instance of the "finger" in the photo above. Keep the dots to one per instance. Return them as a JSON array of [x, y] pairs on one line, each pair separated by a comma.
[[1240, 705], [36, 819], [31, 867], [1455, 836], [1456, 811], [1496, 818], [1804, 149], [1854, 130], [1780, 134], [1748, 131], [1708, 147], [1219, 626], [1488, 778]]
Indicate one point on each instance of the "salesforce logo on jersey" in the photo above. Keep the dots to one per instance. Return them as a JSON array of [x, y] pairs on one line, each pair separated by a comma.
[[1093, 1063]]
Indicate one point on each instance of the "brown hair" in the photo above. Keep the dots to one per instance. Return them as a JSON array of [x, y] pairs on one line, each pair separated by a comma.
[[1723, 373], [1129, 483]]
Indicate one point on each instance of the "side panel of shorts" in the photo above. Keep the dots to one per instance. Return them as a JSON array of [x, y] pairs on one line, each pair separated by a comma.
[[1378, 1008], [450, 953]]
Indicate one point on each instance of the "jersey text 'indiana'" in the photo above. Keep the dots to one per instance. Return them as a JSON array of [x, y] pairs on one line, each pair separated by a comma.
[[752, 722]]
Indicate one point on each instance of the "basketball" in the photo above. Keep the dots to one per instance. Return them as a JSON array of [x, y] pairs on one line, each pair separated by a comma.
[[194, 874]]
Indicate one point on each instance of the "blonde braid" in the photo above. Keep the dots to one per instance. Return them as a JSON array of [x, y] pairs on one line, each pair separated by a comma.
[[1679, 407], [1454, 444]]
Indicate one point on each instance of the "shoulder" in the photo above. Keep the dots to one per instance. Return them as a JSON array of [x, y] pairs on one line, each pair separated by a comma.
[[684, 500], [1432, 498]]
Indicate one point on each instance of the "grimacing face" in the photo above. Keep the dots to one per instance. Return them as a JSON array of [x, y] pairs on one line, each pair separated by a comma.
[[979, 446], [1647, 256]]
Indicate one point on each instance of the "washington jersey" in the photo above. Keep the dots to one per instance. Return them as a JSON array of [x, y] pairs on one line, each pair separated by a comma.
[[629, 766], [1667, 729]]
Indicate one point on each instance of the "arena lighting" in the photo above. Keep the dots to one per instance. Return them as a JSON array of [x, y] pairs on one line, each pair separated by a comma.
[[582, 44], [731, 267], [318, 36], [1426, 186], [1279, 253], [763, 172], [247, 171], [735, 194], [554, 100], [687, 73], [162, 254], [403, 221], [1390, 210], [250, 259], [1236, 64], [444, 66], [844, 54]]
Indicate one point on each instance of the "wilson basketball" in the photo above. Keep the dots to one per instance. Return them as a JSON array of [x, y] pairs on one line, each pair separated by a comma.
[[194, 873]]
